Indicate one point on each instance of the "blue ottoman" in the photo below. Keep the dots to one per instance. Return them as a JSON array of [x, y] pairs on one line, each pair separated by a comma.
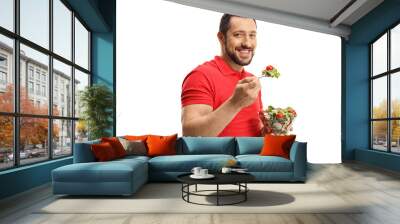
[[118, 177]]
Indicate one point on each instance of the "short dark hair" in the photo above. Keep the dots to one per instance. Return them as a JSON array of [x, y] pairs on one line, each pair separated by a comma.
[[224, 24]]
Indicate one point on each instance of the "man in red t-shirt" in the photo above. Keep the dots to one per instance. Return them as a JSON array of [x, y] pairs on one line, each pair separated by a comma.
[[219, 98]]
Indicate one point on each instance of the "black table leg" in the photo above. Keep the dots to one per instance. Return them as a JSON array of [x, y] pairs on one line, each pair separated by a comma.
[[217, 194], [196, 188], [182, 190], [245, 193], [188, 190]]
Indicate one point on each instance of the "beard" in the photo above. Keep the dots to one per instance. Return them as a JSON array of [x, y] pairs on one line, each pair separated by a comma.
[[236, 59]]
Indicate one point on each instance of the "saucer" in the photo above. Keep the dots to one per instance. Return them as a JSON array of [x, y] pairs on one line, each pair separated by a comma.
[[208, 176]]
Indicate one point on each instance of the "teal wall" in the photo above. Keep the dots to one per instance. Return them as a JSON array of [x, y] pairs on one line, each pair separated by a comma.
[[24, 178], [356, 103], [103, 52], [99, 15], [103, 63]]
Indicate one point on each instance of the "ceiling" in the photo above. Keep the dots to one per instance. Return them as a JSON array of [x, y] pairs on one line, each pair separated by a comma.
[[327, 16]]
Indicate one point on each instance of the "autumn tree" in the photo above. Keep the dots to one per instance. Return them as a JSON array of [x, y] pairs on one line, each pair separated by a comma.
[[6, 122], [33, 131], [380, 127]]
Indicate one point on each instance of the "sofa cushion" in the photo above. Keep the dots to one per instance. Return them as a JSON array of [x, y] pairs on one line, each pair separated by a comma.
[[116, 145], [132, 158], [134, 147], [257, 163], [111, 171], [103, 151], [185, 163], [249, 145], [277, 145], [136, 137], [207, 145], [161, 145]]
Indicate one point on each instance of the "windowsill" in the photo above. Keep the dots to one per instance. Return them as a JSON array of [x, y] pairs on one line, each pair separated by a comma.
[[25, 167], [381, 159], [380, 152]]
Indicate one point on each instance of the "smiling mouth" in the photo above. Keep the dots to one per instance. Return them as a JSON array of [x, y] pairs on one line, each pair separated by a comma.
[[245, 52]]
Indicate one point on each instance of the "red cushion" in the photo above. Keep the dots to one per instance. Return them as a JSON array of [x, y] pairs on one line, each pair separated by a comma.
[[161, 145], [103, 151], [277, 145], [116, 145]]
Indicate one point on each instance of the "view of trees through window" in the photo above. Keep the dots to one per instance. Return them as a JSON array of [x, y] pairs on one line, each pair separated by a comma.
[[30, 129], [385, 91]]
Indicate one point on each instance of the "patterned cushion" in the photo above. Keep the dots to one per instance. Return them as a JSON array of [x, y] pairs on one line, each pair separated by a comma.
[[134, 147]]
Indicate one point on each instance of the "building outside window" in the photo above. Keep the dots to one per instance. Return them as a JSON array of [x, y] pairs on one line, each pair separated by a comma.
[[30, 72], [38, 89], [43, 78], [37, 75], [3, 78], [30, 87], [3, 61], [3, 72], [43, 90]]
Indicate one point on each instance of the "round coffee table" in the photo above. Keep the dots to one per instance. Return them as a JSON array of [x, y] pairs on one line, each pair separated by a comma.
[[238, 179]]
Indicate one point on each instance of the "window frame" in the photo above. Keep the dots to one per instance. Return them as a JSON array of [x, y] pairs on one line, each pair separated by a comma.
[[15, 72], [388, 74]]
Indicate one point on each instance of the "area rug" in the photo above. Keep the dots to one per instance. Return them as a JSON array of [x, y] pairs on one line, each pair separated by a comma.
[[167, 198]]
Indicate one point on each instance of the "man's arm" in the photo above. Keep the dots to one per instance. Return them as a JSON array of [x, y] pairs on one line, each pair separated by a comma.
[[201, 120]]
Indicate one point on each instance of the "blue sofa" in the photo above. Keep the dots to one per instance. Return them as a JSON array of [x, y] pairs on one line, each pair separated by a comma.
[[125, 176]]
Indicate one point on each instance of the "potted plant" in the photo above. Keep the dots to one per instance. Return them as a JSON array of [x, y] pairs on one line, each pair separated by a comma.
[[97, 106]]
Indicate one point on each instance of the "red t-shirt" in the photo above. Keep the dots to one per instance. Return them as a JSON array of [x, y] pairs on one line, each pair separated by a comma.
[[212, 83]]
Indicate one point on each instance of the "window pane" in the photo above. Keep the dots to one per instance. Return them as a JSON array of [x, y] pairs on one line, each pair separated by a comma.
[[81, 131], [379, 100], [34, 78], [6, 74], [62, 137], [379, 55], [7, 14], [395, 136], [35, 21], [81, 81], [395, 47], [62, 29], [379, 135], [33, 140], [81, 45], [62, 89], [395, 94], [6, 142]]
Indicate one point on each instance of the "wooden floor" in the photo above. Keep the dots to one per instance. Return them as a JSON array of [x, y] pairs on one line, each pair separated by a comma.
[[377, 188]]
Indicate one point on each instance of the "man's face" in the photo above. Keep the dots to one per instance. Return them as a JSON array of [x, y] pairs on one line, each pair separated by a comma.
[[241, 40]]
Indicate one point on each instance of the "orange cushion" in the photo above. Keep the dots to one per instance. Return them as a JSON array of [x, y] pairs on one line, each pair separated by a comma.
[[116, 145], [161, 145], [277, 145], [103, 151], [135, 138]]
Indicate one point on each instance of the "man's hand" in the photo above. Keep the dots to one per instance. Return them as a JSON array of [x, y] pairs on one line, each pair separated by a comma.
[[201, 120], [246, 92]]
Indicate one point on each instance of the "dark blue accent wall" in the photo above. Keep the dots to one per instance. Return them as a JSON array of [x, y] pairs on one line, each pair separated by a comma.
[[357, 97], [99, 16]]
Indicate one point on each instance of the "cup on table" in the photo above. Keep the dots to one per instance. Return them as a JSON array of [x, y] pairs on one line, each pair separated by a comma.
[[196, 171], [203, 172], [226, 170]]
